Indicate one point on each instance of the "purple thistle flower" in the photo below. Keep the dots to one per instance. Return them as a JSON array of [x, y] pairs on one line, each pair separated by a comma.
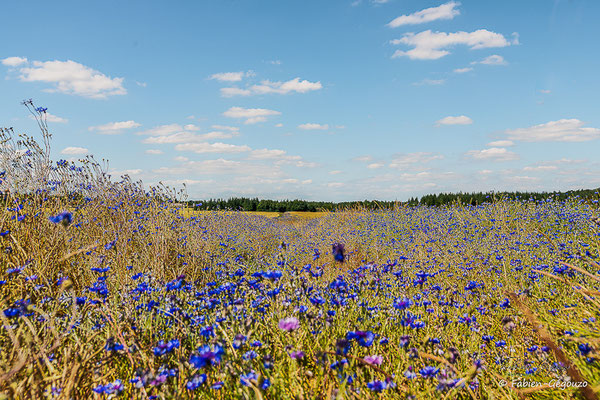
[[289, 324]]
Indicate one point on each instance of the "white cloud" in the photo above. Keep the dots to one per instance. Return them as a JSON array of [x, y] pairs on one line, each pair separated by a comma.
[[181, 159], [218, 147], [233, 91], [459, 120], [375, 165], [251, 115], [169, 129], [492, 154], [501, 143], [335, 172], [191, 127], [189, 137], [306, 181], [126, 172], [430, 82], [154, 151], [494, 59], [310, 127], [114, 128], [266, 154], [279, 125], [563, 130], [73, 78], [428, 45], [407, 160], [545, 91], [444, 11], [74, 150], [363, 158], [225, 128], [228, 76], [462, 70], [52, 118], [141, 84], [335, 184], [541, 168], [268, 87], [14, 61], [293, 85]]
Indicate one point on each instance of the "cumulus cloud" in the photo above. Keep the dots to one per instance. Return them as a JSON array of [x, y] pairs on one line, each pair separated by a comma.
[[251, 115], [74, 150], [69, 77], [114, 128], [501, 143], [228, 76], [541, 168], [14, 61], [268, 87], [444, 11], [233, 91], [563, 130], [312, 127], [462, 70], [492, 154], [459, 120], [494, 59], [430, 82], [407, 160], [428, 45], [154, 151], [218, 147], [52, 118], [375, 165]]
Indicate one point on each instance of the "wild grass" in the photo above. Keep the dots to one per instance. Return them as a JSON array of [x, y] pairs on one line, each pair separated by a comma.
[[132, 297]]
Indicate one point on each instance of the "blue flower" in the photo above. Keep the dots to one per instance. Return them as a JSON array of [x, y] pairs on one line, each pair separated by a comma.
[[429, 371], [64, 218], [196, 381], [207, 356], [246, 379]]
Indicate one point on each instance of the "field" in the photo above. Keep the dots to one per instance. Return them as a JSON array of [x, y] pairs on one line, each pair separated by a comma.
[[109, 289], [130, 295]]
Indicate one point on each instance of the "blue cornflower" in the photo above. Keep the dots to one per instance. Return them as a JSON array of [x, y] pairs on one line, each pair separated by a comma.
[[246, 379], [163, 348], [402, 303], [196, 381], [429, 371], [364, 338], [64, 218], [207, 356]]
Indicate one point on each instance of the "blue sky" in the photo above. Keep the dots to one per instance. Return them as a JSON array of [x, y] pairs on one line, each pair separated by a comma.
[[321, 100]]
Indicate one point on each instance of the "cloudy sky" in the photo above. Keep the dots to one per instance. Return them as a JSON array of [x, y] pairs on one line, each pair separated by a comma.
[[321, 100]]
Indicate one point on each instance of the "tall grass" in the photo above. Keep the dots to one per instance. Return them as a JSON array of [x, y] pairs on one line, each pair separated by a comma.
[[133, 298]]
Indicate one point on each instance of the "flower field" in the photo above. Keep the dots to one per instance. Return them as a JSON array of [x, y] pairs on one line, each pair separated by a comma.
[[109, 290]]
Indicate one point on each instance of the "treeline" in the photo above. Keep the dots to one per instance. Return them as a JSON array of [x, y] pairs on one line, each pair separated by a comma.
[[247, 204], [255, 204], [490, 197]]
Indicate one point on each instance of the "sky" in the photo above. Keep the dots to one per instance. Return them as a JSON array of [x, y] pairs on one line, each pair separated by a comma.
[[321, 100]]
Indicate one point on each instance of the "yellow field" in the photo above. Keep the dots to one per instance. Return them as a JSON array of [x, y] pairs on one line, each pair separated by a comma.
[[188, 212]]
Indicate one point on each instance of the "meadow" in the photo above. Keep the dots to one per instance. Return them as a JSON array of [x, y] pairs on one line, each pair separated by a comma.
[[109, 289]]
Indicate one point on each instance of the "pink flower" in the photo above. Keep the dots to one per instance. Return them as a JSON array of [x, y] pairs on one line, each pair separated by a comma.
[[373, 360], [289, 324]]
